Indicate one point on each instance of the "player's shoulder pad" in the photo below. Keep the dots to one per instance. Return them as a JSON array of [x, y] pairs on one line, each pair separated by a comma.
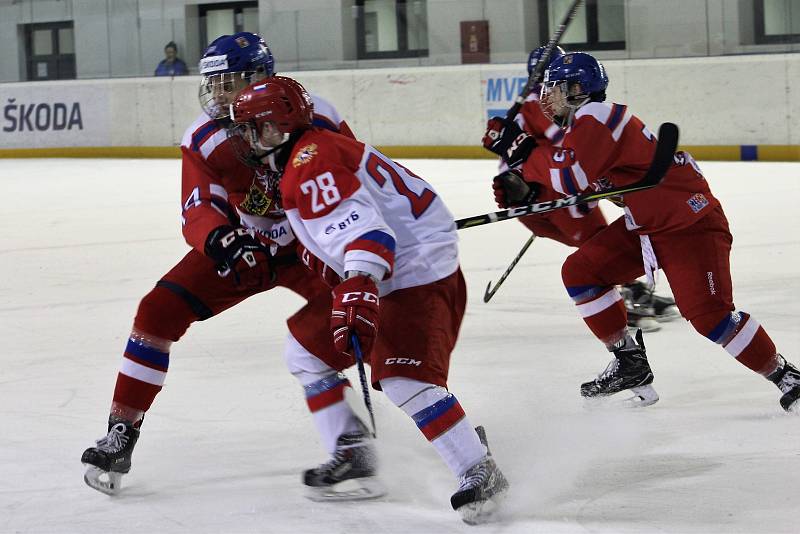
[[612, 116], [599, 111], [326, 158], [204, 135], [319, 151], [325, 114]]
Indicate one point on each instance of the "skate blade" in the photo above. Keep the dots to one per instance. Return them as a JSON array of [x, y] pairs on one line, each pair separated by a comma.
[[480, 512], [355, 489], [103, 481], [642, 396]]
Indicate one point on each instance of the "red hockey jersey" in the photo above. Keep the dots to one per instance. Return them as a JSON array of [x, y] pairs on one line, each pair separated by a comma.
[[607, 146]]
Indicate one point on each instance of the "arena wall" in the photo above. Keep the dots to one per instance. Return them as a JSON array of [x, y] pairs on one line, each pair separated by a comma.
[[733, 107]]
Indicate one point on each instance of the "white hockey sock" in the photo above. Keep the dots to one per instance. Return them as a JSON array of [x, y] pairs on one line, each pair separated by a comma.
[[324, 391], [440, 418]]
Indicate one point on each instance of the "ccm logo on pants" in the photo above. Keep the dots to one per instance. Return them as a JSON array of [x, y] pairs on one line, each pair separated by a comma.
[[403, 361]]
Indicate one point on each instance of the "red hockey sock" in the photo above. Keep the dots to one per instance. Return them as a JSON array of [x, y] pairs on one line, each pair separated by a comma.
[[141, 375], [603, 310], [743, 338]]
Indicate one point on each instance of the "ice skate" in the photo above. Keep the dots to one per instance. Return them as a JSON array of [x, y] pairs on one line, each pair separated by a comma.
[[628, 370], [787, 378], [111, 457], [639, 295], [640, 315], [350, 475], [641, 318], [481, 489]]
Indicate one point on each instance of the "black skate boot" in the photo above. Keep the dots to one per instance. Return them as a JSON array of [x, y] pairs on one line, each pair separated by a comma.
[[111, 457], [628, 370], [639, 294], [481, 489], [350, 475], [787, 378]]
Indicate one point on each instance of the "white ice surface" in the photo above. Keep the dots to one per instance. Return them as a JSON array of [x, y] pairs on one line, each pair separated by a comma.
[[81, 241]]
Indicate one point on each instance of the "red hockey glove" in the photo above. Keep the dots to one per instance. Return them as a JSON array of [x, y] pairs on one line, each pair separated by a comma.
[[355, 311], [237, 251], [316, 265], [511, 189], [506, 139]]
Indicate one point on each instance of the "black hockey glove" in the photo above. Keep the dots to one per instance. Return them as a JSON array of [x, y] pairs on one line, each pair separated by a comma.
[[237, 251], [506, 139], [511, 189]]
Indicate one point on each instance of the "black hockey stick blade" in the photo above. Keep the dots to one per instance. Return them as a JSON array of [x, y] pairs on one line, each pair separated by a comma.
[[660, 164], [544, 61], [490, 291]]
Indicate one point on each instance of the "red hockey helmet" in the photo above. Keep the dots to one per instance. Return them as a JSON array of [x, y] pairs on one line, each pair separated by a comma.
[[279, 100]]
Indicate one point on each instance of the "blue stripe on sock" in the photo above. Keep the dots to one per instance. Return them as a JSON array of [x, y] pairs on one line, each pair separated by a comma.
[[725, 328], [148, 354], [584, 292], [324, 384], [435, 410]]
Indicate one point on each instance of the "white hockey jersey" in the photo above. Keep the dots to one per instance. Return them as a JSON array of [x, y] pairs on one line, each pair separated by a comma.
[[356, 209]]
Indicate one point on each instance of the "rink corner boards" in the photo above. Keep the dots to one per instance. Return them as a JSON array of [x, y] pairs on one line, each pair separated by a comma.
[[700, 152]]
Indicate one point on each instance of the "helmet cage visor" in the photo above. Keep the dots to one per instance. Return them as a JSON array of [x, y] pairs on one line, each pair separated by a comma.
[[220, 89], [561, 98], [249, 146]]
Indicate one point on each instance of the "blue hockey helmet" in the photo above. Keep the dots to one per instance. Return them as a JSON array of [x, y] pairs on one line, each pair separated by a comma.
[[578, 67], [229, 64], [240, 52], [537, 53], [570, 82]]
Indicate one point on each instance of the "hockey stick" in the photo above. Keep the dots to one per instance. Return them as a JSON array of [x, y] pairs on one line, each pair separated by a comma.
[[662, 161], [544, 61], [487, 296], [362, 376]]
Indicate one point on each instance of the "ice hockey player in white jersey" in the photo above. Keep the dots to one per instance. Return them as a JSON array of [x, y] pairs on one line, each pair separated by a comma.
[[393, 242]]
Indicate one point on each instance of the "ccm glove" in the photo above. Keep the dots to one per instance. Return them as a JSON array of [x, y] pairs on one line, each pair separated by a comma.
[[237, 251], [506, 139], [316, 265], [355, 311], [511, 189]]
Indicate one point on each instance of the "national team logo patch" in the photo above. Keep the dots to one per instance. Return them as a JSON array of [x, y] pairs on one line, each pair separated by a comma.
[[304, 155], [242, 42], [697, 202], [256, 202]]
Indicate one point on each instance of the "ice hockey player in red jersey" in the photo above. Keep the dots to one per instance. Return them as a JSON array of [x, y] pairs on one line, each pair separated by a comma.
[[677, 227], [513, 142], [393, 242], [226, 264]]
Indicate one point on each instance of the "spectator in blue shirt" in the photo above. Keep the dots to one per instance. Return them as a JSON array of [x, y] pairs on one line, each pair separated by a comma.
[[171, 65]]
